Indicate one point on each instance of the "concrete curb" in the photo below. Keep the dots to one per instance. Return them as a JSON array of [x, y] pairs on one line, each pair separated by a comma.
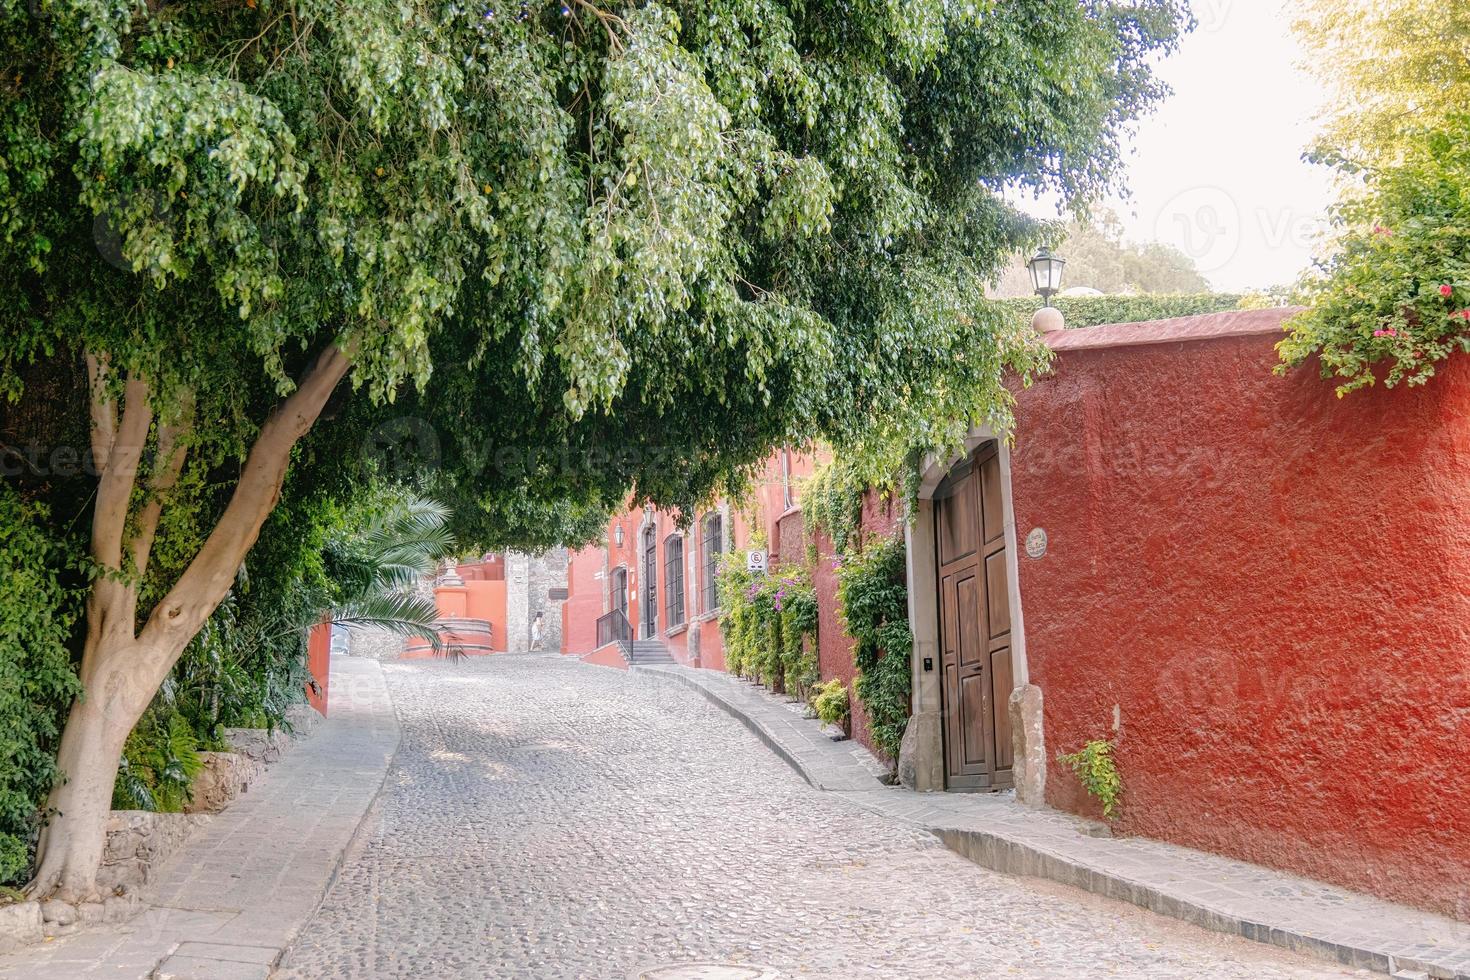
[[991, 833]]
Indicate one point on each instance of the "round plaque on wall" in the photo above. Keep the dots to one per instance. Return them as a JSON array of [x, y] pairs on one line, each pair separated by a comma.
[[1036, 542]]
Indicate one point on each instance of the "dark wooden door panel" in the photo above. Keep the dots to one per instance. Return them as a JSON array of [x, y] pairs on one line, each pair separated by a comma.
[[958, 530], [1002, 683], [975, 623], [997, 597]]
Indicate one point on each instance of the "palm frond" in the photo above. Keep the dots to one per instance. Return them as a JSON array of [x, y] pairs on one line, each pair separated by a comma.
[[398, 613]]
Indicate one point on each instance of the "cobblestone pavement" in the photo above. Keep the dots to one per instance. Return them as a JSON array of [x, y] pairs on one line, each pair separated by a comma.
[[545, 818]]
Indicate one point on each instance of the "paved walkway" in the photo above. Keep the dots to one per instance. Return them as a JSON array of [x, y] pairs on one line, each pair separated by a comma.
[[545, 818], [1205, 889], [232, 898]]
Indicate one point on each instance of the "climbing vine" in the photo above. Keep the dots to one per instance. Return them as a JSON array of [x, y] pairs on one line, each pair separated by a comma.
[[873, 591], [832, 502]]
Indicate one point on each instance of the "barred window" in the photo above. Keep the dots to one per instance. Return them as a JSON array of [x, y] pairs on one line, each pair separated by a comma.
[[714, 546], [674, 579]]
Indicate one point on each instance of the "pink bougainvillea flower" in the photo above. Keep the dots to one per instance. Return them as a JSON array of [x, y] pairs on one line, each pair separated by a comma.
[[1386, 332], [1460, 315], [1446, 290], [1380, 230]]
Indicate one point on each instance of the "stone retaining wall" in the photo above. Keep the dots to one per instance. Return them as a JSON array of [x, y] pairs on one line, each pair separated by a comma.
[[138, 841]]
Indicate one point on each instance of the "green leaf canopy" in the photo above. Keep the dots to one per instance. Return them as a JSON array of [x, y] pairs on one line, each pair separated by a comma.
[[571, 248]]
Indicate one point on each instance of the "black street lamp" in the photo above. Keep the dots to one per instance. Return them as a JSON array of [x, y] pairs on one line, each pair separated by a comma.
[[1046, 274]]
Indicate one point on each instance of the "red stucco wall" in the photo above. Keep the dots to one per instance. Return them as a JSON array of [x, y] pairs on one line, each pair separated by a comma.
[[318, 665], [580, 612], [1271, 588]]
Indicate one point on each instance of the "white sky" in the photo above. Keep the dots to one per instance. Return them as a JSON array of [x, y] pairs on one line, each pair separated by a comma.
[[1216, 171]]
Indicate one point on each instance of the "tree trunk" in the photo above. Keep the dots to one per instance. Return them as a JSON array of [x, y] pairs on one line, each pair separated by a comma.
[[71, 846], [122, 666]]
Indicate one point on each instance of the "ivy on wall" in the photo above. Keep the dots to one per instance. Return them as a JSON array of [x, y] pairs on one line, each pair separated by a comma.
[[832, 502], [769, 624], [873, 590]]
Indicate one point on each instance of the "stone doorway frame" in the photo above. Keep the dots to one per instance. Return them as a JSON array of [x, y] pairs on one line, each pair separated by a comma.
[[923, 750]]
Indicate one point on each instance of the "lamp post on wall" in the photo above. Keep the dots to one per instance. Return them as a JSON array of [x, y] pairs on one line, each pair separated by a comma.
[[1046, 274], [618, 535]]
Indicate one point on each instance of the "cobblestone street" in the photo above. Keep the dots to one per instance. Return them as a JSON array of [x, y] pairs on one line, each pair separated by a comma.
[[544, 818]]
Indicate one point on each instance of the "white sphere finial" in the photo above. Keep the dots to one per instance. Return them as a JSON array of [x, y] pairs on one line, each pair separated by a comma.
[[1048, 319]]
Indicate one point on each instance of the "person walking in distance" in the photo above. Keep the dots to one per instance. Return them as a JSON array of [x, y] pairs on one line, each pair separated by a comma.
[[537, 627]]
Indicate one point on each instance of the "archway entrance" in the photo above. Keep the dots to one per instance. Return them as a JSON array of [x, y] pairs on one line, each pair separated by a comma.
[[974, 620]]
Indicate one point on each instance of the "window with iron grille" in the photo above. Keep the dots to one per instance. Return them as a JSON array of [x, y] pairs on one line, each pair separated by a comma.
[[714, 545], [674, 579]]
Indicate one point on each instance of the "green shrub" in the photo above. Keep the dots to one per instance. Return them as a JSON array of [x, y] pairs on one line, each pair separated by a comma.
[[766, 621], [1091, 311], [795, 602], [1392, 302], [873, 591], [829, 701], [37, 682], [1094, 766], [159, 762]]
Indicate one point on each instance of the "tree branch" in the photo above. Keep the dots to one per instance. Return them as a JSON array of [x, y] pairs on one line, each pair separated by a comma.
[[103, 409], [115, 480], [168, 463], [205, 582]]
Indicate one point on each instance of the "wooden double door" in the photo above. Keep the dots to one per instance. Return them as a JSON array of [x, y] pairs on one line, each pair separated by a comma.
[[974, 623]]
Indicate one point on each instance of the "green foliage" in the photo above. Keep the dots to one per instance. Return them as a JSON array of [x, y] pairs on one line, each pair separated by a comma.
[[160, 760], [769, 623], [37, 682], [832, 503], [698, 229], [873, 590], [829, 701], [1091, 311], [1094, 766], [1393, 300]]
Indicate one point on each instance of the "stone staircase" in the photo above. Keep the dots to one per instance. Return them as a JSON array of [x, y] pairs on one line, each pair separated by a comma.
[[645, 652]]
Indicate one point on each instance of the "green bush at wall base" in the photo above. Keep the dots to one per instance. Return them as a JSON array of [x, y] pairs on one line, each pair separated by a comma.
[[37, 682], [1094, 766]]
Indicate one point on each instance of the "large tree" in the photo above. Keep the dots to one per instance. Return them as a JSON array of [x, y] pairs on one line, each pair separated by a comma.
[[565, 249]]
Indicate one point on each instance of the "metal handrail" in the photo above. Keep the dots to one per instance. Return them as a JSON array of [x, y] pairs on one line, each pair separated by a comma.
[[613, 627]]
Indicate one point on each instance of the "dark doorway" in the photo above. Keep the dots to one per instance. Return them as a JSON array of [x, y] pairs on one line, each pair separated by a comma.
[[649, 613], [618, 590]]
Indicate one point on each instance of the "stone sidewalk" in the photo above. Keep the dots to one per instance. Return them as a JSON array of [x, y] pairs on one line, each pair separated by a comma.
[[1207, 890], [233, 897]]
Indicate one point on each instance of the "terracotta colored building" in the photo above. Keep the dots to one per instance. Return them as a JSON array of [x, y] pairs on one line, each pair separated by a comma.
[[661, 578], [488, 605]]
